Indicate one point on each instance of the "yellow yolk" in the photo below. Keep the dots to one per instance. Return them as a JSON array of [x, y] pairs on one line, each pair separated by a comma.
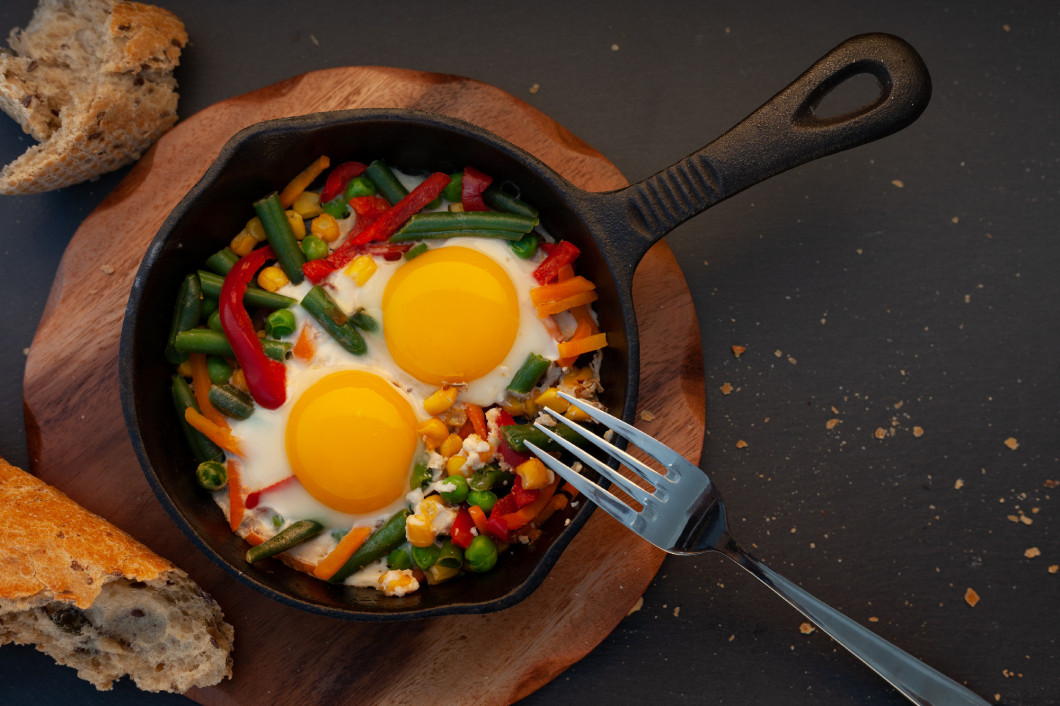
[[350, 440], [450, 315]]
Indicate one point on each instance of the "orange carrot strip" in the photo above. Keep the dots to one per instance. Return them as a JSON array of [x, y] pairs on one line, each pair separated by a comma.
[[305, 346], [523, 515], [553, 328], [342, 552], [478, 420], [218, 435], [554, 307], [236, 506], [560, 290], [558, 502], [565, 272], [478, 516], [200, 385], [585, 328], [582, 314], [570, 490], [582, 345], [301, 182]]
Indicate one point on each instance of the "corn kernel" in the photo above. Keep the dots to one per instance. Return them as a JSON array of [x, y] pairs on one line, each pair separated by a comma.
[[452, 444], [550, 398], [530, 408], [576, 377], [440, 401], [307, 205], [272, 278], [184, 369], [430, 506], [397, 583], [419, 532], [361, 270], [434, 431], [239, 379], [297, 224], [456, 207], [513, 406], [243, 243], [325, 227], [454, 464], [533, 474], [256, 229], [576, 415], [438, 574]]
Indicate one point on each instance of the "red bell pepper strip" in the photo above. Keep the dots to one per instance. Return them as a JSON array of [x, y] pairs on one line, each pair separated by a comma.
[[564, 253], [369, 207], [523, 497], [523, 516], [254, 498], [381, 229], [498, 527], [504, 506], [266, 378], [512, 457], [461, 529], [474, 183], [338, 178]]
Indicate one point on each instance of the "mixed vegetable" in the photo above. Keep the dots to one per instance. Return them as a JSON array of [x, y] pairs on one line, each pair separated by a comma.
[[475, 488]]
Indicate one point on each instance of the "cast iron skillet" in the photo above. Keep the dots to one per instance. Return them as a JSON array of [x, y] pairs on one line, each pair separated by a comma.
[[613, 230]]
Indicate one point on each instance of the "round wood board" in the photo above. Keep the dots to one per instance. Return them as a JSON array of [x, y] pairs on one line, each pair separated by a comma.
[[78, 441]]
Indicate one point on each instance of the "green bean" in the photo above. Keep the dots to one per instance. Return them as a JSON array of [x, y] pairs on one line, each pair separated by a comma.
[[421, 476], [385, 181], [481, 554], [255, 296], [454, 190], [364, 321], [529, 373], [526, 247], [509, 235], [399, 559], [231, 401], [222, 261], [360, 186], [336, 208], [280, 323], [459, 491], [213, 321], [383, 541], [280, 236], [516, 435], [450, 556], [500, 200], [489, 477], [433, 224], [209, 305], [210, 342], [218, 369], [186, 313], [201, 448], [334, 320], [211, 475], [416, 250], [291, 536], [485, 499], [424, 557]]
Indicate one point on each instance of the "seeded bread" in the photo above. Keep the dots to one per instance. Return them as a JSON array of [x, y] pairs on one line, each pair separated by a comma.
[[92, 81], [97, 600]]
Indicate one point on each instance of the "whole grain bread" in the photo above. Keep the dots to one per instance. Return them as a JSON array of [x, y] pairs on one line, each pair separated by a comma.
[[92, 81], [95, 599]]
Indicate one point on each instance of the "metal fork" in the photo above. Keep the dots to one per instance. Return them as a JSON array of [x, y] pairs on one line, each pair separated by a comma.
[[684, 514]]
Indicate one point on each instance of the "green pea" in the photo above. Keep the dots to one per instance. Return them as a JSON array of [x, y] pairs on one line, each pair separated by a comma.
[[209, 306], [277, 521], [454, 188], [526, 246], [219, 369], [214, 321], [450, 556], [421, 476], [360, 186], [459, 491], [485, 499], [314, 248], [399, 558], [481, 554], [211, 475], [433, 204], [280, 323], [424, 557], [336, 207]]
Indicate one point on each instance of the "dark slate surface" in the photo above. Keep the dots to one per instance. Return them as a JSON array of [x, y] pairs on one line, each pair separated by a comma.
[[908, 286]]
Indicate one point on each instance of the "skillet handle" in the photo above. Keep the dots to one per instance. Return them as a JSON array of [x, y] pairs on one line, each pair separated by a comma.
[[784, 133]]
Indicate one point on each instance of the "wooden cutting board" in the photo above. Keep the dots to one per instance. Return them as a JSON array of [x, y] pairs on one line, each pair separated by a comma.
[[78, 441]]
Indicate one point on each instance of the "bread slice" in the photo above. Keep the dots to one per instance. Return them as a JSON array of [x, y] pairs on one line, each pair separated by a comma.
[[97, 600], [92, 81]]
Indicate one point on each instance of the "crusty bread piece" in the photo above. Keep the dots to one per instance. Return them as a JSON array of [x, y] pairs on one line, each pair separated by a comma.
[[92, 81], [97, 600]]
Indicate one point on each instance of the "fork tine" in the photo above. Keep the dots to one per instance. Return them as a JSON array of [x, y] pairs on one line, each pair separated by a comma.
[[639, 494], [610, 504], [662, 453]]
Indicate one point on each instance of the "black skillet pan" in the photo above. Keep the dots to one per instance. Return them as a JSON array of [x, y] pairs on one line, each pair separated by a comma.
[[612, 229]]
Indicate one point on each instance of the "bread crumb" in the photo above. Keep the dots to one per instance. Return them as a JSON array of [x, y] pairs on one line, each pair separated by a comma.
[[778, 353], [971, 597], [958, 484], [806, 628], [636, 606], [897, 182], [107, 270], [726, 389], [1006, 28], [955, 219], [677, 611], [831, 423], [314, 40], [918, 432], [1012, 518], [1026, 520], [741, 444], [732, 637], [880, 433], [647, 415], [1032, 552], [873, 619], [535, 88], [1012, 443], [1052, 483], [614, 47], [1053, 568], [737, 351]]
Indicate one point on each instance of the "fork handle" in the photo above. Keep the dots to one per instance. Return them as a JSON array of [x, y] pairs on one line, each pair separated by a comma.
[[917, 681]]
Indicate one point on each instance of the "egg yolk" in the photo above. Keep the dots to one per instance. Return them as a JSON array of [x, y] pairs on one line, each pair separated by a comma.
[[450, 315], [350, 440]]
